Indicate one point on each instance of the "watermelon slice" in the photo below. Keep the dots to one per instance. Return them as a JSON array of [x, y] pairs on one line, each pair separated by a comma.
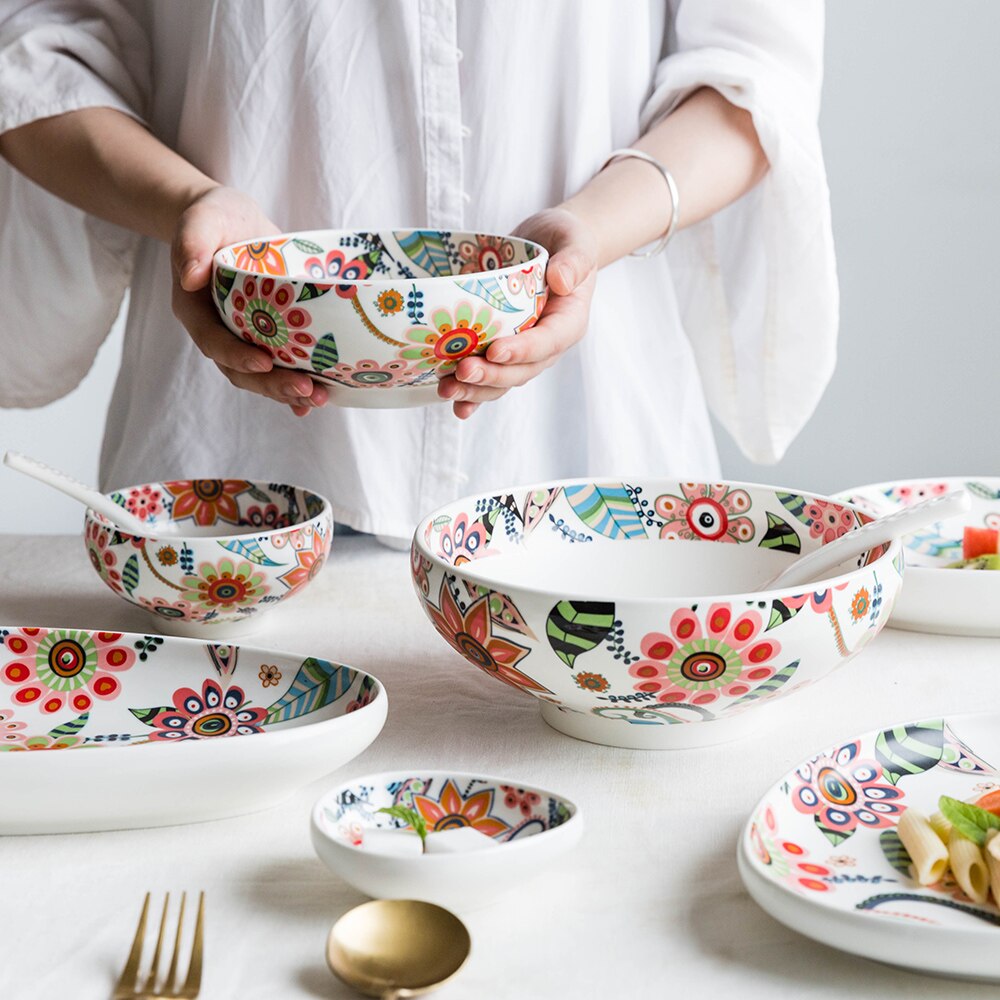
[[979, 542]]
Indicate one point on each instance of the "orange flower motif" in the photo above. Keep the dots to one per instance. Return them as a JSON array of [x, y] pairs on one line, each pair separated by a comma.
[[471, 634], [261, 257], [309, 561], [208, 501], [452, 811]]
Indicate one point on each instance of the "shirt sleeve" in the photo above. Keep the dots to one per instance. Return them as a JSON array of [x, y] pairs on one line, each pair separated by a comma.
[[757, 282], [65, 273]]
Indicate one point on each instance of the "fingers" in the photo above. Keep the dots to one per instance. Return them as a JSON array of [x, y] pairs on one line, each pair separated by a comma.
[[197, 313], [246, 367]]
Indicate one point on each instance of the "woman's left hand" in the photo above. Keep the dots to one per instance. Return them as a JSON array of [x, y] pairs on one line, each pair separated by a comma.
[[513, 361]]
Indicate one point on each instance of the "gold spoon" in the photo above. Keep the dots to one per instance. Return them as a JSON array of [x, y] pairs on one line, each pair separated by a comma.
[[395, 948]]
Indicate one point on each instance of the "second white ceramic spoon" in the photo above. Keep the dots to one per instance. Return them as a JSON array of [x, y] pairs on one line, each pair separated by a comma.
[[821, 562], [117, 515]]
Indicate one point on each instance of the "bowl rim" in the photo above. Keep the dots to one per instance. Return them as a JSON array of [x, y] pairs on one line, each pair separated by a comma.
[[575, 820], [541, 256], [92, 517], [482, 579], [290, 734]]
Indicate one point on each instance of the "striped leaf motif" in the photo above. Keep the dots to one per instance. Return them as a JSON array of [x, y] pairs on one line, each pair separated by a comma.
[[317, 684], [607, 509]]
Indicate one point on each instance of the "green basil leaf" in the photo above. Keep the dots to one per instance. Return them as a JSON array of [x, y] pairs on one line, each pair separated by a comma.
[[969, 820], [410, 817]]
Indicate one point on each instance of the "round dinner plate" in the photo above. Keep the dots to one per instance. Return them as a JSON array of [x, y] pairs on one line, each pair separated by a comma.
[[820, 851], [933, 598]]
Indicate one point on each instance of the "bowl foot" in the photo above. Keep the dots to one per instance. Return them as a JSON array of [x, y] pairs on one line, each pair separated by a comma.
[[208, 630], [382, 399], [652, 733]]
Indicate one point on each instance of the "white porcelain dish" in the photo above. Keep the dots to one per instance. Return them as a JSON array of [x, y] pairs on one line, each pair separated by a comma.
[[109, 730], [935, 599], [530, 825], [820, 852]]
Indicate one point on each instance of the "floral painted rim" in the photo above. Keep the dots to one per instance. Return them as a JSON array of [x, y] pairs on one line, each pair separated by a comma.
[[540, 255], [466, 572], [377, 701], [325, 512], [827, 905], [382, 778]]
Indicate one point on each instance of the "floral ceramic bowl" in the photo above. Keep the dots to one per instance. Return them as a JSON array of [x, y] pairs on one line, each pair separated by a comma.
[[938, 599], [633, 610], [188, 730], [529, 827], [234, 549], [387, 312]]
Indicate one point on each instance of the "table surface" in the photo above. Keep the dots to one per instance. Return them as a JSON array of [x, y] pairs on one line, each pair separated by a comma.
[[650, 899]]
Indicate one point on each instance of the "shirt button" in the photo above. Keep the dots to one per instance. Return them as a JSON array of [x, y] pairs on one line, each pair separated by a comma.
[[465, 131]]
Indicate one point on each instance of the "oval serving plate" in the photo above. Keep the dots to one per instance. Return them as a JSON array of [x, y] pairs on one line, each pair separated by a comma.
[[820, 851], [135, 730], [935, 599]]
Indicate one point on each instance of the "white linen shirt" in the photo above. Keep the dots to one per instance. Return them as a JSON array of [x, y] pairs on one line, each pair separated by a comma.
[[454, 114]]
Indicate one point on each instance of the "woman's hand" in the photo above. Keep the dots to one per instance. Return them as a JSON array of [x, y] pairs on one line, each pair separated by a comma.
[[215, 218], [513, 361]]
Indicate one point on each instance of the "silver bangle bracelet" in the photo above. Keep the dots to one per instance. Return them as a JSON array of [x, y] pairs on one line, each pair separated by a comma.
[[675, 201]]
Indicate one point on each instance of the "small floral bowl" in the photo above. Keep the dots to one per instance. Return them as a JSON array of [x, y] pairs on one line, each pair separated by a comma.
[[529, 828], [638, 612], [388, 312], [236, 548]]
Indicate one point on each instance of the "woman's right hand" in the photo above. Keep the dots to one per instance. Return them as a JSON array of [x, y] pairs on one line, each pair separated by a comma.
[[217, 217]]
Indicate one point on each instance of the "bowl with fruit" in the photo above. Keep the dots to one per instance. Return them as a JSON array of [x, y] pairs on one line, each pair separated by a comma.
[[952, 586]]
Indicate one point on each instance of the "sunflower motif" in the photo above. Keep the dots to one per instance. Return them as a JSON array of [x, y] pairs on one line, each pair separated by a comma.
[[261, 257], [453, 337], [265, 313], [471, 635], [207, 501], [453, 810], [225, 586], [699, 661]]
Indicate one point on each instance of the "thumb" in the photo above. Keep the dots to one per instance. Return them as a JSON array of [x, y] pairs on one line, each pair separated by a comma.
[[567, 269], [195, 243]]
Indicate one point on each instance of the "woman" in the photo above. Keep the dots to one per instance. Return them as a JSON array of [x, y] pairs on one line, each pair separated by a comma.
[[194, 125]]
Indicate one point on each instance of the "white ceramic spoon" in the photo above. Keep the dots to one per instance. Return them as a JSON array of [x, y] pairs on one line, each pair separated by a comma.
[[820, 563], [97, 501]]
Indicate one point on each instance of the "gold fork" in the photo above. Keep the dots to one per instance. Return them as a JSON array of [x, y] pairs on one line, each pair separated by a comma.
[[129, 986]]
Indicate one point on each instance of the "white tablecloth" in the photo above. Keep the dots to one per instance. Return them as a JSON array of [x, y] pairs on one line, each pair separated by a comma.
[[650, 902]]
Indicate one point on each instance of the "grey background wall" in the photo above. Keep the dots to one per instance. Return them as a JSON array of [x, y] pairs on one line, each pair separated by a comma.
[[912, 142]]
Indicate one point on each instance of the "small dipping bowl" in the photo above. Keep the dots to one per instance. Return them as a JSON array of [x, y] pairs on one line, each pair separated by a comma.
[[234, 548], [530, 827]]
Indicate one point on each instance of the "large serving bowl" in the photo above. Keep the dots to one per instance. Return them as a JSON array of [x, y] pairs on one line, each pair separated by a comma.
[[634, 611], [936, 598], [378, 316], [233, 549], [136, 730], [530, 826]]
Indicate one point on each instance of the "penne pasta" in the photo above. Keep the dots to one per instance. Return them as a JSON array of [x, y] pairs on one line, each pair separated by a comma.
[[968, 866], [941, 826], [927, 852], [992, 853]]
